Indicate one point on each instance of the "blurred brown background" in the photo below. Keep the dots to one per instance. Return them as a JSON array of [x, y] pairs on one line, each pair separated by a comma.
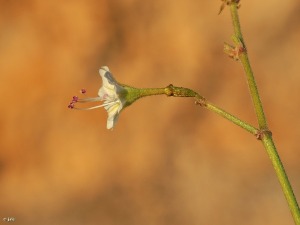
[[167, 161]]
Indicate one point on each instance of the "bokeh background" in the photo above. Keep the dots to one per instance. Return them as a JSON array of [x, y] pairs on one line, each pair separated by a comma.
[[167, 161]]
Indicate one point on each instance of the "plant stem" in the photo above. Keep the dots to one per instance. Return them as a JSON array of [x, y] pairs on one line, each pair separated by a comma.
[[266, 138], [282, 177], [143, 92], [174, 91], [247, 67], [231, 118]]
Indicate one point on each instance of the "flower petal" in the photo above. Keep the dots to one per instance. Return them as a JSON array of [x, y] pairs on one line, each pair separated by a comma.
[[107, 77], [110, 86], [112, 93], [111, 121], [113, 111], [107, 93]]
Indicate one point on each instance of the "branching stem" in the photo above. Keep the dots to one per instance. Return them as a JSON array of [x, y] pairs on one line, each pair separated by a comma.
[[174, 91]]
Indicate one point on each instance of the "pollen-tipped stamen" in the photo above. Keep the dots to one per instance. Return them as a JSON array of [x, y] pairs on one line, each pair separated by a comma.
[[95, 99], [72, 105]]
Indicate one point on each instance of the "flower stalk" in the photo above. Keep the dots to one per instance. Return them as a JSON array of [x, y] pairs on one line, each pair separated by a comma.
[[199, 100]]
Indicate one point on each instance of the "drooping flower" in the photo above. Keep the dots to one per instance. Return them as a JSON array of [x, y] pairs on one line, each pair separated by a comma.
[[112, 95]]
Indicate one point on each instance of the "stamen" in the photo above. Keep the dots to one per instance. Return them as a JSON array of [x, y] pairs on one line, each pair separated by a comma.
[[83, 91], [75, 99], [93, 107], [95, 99]]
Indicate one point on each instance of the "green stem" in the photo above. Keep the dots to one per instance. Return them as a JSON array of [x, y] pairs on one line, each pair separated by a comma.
[[248, 70], [266, 138], [186, 92], [143, 92], [231, 118], [282, 177]]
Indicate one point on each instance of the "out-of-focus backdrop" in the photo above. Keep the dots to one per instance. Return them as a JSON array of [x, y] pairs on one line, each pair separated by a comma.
[[167, 161]]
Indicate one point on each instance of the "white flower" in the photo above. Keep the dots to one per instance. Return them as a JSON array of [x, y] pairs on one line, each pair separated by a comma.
[[112, 93]]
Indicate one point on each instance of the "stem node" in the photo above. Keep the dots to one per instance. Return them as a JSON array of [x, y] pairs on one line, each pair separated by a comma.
[[261, 133]]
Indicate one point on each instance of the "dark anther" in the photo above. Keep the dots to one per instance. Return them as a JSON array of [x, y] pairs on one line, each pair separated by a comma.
[[75, 99], [71, 105]]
